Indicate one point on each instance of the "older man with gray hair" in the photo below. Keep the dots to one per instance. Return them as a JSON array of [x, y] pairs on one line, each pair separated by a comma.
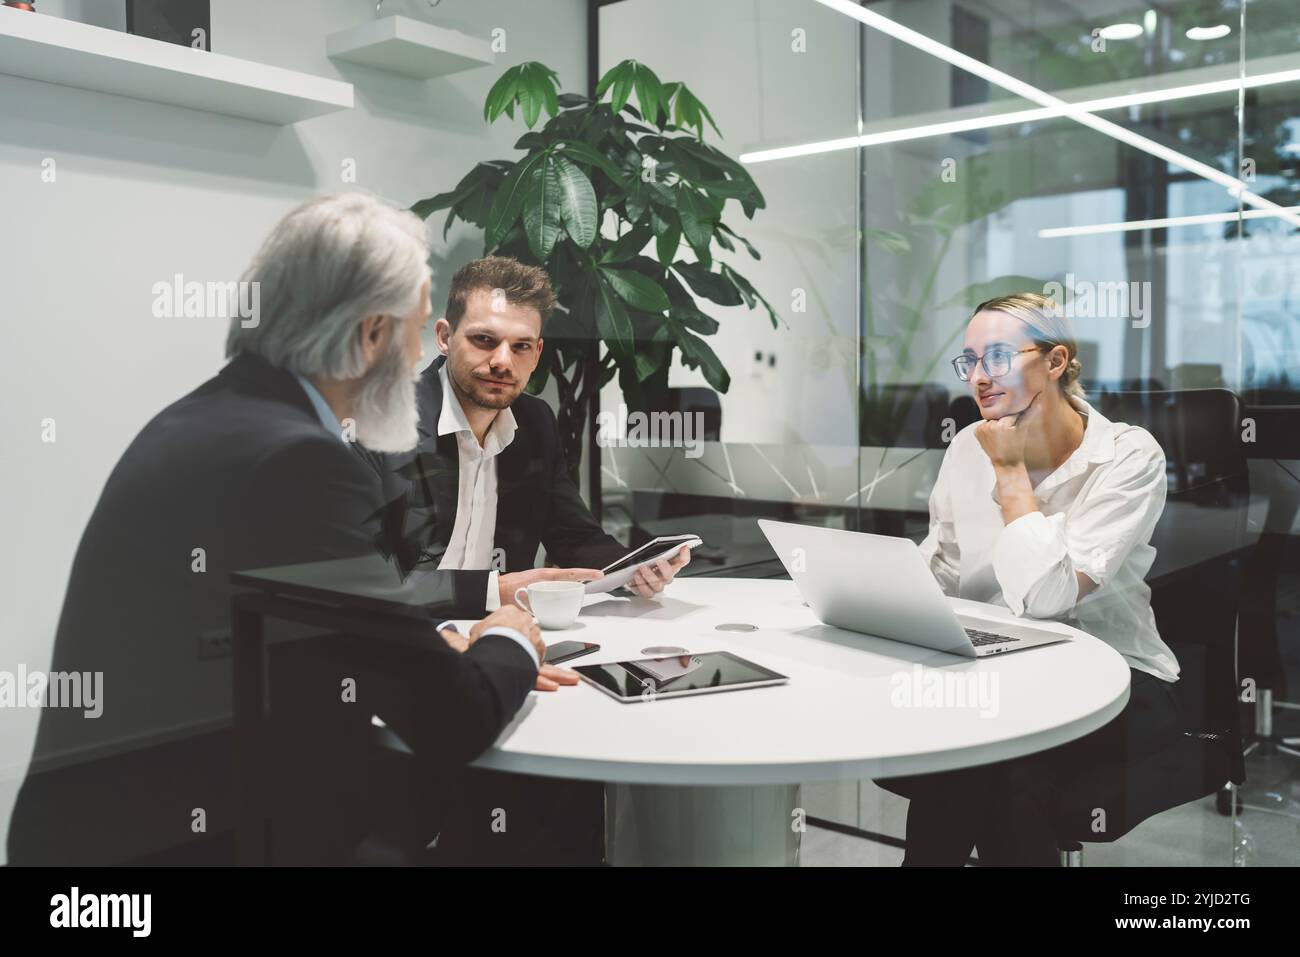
[[255, 468]]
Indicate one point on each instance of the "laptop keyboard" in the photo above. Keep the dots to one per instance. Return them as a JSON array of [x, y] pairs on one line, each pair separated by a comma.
[[978, 637]]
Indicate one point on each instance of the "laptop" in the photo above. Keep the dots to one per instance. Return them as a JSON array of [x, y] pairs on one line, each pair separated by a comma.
[[880, 585]]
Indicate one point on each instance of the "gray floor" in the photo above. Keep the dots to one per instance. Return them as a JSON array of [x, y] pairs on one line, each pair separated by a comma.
[[1265, 834]]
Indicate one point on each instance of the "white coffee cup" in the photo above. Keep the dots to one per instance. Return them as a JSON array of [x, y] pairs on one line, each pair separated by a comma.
[[553, 604]]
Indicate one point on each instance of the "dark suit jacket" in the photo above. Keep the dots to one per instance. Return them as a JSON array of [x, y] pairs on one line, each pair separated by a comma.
[[242, 469], [537, 502]]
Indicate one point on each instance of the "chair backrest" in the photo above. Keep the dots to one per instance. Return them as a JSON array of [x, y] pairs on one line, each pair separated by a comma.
[[694, 400], [1200, 538], [904, 415]]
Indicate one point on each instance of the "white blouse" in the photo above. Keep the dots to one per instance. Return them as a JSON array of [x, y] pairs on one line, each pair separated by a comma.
[[1098, 511]]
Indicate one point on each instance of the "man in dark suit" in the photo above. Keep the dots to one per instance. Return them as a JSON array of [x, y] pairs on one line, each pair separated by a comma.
[[253, 469], [487, 483], [486, 486]]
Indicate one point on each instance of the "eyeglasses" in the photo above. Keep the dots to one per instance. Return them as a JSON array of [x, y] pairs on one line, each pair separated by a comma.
[[997, 363]]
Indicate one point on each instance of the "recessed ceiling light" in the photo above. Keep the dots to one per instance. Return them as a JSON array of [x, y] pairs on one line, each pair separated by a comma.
[[1120, 31], [1209, 33]]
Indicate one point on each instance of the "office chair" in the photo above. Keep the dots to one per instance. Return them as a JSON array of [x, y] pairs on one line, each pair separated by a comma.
[[642, 506], [897, 416], [907, 415], [1275, 418], [1196, 613]]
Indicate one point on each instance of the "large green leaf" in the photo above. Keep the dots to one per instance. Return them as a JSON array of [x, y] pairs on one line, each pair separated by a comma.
[[622, 86], [698, 218], [578, 209], [581, 152], [637, 200], [638, 291], [666, 243], [728, 189], [542, 222], [627, 245], [502, 93], [470, 183], [687, 110], [648, 361], [710, 285], [531, 85], [692, 318], [612, 76], [697, 353], [724, 228], [648, 92], [509, 201], [613, 322], [749, 293]]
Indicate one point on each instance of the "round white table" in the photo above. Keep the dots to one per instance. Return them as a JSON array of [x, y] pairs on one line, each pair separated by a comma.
[[713, 778]]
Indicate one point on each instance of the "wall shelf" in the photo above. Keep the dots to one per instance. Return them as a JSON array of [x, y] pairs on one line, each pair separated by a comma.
[[54, 50], [409, 47]]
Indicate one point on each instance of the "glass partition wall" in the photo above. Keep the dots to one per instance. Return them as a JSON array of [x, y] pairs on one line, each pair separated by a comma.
[[1138, 163]]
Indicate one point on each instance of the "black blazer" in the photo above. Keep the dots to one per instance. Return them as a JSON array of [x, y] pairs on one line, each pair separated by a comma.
[[242, 469], [537, 502]]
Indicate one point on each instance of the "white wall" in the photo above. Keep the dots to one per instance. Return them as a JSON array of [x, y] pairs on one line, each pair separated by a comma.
[[739, 58], [144, 191]]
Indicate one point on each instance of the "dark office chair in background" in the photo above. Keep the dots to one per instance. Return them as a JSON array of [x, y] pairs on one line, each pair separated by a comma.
[[906, 415], [898, 416], [1196, 613], [1275, 420], [641, 508]]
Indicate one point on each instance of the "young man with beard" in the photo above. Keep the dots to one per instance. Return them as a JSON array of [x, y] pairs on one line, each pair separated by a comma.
[[253, 469], [488, 485]]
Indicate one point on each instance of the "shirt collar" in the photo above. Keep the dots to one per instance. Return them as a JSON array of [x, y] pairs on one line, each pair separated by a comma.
[[452, 419], [323, 410], [1098, 446]]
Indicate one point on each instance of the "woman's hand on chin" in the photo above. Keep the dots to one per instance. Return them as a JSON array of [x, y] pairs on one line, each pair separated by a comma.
[[1003, 440]]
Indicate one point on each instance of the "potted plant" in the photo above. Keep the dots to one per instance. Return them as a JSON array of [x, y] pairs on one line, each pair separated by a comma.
[[622, 207]]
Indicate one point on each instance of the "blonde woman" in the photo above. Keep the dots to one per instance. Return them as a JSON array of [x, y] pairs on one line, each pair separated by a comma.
[[1046, 507]]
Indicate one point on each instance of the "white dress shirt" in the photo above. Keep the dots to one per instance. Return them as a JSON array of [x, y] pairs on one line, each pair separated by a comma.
[[1097, 513], [331, 423], [473, 535]]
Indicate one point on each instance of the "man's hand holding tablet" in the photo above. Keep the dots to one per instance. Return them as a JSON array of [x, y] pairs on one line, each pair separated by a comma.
[[652, 578], [648, 569]]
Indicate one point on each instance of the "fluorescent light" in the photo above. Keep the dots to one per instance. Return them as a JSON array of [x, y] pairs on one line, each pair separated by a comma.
[[1209, 33], [1016, 117], [1030, 92], [1120, 31], [1132, 225]]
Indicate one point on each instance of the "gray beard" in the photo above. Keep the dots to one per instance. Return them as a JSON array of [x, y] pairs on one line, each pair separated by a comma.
[[385, 411]]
